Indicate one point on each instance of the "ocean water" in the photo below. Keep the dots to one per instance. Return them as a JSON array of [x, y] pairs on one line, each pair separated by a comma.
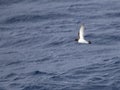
[[38, 51]]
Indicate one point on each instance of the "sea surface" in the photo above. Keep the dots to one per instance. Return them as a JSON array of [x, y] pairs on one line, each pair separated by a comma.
[[38, 51]]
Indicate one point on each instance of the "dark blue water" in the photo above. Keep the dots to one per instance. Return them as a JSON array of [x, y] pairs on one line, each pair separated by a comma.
[[38, 51]]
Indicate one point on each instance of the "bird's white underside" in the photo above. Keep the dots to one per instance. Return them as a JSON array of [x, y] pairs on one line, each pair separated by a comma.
[[81, 35]]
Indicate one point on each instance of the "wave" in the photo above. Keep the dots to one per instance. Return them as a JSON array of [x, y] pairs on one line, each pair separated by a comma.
[[34, 18]]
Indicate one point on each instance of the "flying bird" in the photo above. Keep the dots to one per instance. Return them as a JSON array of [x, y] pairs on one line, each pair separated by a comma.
[[81, 38]]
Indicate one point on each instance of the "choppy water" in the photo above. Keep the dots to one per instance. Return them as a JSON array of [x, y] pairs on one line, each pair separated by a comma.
[[38, 51]]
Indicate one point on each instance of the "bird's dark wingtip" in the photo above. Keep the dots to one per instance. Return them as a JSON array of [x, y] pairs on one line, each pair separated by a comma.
[[76, 39], [89, 42]]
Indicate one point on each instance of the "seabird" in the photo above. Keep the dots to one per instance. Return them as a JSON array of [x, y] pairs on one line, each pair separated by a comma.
[[81, 38]]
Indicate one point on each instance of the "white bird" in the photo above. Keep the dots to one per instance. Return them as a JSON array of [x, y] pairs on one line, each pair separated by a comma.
[[81, 38]]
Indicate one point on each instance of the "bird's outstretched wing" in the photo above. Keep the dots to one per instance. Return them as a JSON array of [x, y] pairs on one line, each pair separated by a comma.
[[81, 32]]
